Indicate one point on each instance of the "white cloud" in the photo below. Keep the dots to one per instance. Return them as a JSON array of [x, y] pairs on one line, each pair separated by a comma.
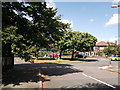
[[67, 21], [113, 20], [116, 1], [50, 4], [91, 20]]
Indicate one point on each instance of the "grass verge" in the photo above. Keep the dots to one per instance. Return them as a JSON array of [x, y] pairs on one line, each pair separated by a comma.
[[56, 61]]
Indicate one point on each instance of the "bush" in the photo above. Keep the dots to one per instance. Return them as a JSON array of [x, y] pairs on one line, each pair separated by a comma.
[[100, 54], [31, 60], [67, 54]]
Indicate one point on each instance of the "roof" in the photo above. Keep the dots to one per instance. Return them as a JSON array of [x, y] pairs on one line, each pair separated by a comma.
[[102, 43]]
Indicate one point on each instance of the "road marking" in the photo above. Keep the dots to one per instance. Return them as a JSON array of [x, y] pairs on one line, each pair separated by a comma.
[[99, 80]]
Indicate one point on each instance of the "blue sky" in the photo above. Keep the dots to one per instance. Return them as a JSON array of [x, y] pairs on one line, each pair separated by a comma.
[[96, 18]]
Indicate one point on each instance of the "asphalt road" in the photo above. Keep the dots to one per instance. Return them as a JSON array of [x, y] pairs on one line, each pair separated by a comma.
[[80, 75], [72, 75]]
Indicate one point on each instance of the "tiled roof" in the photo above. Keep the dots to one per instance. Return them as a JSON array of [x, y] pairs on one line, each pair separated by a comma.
[[102, 43]]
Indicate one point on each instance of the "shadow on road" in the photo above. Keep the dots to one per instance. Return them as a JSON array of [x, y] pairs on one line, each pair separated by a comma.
[[21, 73], [24, 73], [93, 86], [81, 59], [90, 60], [46, 59], [56, 69], [75, 59]]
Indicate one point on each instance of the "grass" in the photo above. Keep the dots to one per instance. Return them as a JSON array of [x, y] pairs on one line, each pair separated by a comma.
[[47, 60], [55, 61]]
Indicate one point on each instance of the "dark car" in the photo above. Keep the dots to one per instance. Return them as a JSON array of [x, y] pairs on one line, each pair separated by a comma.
[[80, 56]]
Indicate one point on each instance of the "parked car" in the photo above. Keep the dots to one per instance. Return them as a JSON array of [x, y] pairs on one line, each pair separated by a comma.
[[80, 56], [55, 55], [115, 57]]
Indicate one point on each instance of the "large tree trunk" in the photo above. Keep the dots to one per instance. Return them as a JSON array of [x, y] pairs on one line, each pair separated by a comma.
[[60, 54], [37, 52], [7, 57], [53, 55], [90, 51]]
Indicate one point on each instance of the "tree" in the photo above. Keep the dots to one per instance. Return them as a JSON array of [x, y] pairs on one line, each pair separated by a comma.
[[89, 41], [24, 36], [117, 49], [76, 41], [112, 49], [64, 42], [108, 50]]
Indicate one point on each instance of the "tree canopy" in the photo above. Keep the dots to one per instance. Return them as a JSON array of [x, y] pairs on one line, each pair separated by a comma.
[[22, 35], [112, 49], [76, 41]]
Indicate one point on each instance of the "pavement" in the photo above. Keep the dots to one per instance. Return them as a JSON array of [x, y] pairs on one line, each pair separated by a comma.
[[113, 66], [110, 68], [24, 76]]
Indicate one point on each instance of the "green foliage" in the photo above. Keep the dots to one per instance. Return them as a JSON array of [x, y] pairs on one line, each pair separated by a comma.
[[100, 54], [44, 53], [115, 50], [75, 40], [89, 42], [108, 50], [31, 60], [25, 37]]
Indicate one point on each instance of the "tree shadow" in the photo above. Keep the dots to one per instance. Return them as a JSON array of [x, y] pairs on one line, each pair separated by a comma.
[[21, 73], [92, 86], [81, 59], [75, 59], [90, 60], [45, 59], [24, 73], [56, 69]]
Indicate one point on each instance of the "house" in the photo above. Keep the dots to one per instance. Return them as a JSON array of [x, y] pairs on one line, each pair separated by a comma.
[[99, 48], [101, 45]]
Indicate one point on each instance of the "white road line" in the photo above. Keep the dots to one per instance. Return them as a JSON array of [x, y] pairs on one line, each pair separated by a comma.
[[99, 80]]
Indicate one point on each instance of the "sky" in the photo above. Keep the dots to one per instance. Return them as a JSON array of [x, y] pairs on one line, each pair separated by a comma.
[[96, 18]]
